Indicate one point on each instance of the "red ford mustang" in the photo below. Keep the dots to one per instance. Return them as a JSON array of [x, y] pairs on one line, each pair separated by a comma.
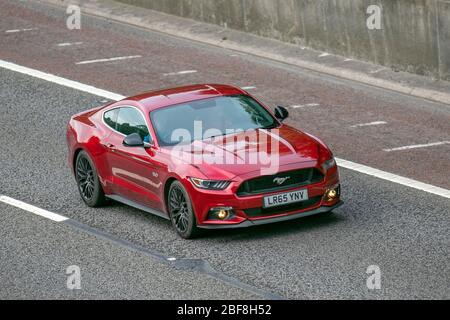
[[203, 156]]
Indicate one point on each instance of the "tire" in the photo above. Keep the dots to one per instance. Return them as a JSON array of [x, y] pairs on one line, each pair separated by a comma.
[[89, 186], [181, 212]]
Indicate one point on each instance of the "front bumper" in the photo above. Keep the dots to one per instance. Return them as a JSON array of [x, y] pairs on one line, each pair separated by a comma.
[[249, 209], [280, 218]]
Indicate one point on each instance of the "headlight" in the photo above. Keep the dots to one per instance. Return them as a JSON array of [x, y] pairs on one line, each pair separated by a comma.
[[210, 184], [327, 165]]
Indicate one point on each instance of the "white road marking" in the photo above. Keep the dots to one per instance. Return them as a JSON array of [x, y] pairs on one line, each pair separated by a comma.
[[28, 207], [61, 81], [305, 105], [19, 30], [347, 60], [375, 123], [325, 54], [394, 178], [108, 59], [248, 88], [418, 146], [180, 73], [68, 44], [343, 163]]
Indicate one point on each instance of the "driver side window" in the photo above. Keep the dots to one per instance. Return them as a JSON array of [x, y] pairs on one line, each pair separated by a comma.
[[130, 120]]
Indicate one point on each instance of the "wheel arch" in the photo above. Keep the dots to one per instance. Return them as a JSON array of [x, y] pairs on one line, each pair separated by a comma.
[[80, 149], [74, 159], [166, 192]]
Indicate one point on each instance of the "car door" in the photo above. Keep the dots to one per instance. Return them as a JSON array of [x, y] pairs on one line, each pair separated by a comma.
[[136, 174]]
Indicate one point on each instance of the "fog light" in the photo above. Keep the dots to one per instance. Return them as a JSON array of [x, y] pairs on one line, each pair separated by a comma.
[[332, 194], [220, 213]]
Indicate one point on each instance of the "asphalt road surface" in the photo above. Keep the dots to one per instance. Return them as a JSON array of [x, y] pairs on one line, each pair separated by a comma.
[[126, 253]]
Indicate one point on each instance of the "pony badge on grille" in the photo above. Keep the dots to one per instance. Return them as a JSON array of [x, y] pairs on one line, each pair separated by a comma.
[[281, 181]]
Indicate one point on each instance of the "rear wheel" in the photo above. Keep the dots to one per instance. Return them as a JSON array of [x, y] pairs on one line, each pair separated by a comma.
[[88, 182], [181, 212]]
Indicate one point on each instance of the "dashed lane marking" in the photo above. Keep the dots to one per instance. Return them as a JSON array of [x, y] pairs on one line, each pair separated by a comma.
[[20, 30], [68, 44], [179, 73], [309, 105], [418, 146], [107, 59], [375, 123], [248, 88]]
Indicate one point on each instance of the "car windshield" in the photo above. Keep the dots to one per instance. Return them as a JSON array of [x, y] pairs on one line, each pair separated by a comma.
[[203, 119]]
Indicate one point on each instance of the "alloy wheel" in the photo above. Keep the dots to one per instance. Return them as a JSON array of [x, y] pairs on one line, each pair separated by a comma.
[[85, 177], [179, 210]]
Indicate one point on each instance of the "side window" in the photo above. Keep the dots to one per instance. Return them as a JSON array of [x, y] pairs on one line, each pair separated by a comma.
[[130, 121], [110, 118]]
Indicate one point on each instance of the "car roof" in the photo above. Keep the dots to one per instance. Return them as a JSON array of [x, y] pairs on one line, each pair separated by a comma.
[[163, 98]]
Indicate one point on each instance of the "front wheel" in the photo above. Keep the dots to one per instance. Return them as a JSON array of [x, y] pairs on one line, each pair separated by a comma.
[[181, 212], [88, 182]]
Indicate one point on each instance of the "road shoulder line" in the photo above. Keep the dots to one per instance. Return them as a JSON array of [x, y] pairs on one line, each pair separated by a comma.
[[30, 208], [61, 81], [195, 265], [394, 178]]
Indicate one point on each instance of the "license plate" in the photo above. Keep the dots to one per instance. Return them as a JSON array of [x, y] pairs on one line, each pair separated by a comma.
[[285, 198]]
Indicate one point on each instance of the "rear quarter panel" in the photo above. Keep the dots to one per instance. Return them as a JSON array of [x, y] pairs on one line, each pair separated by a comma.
[[86, 132]]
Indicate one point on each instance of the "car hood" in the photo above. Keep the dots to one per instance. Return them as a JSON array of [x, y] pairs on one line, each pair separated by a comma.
[[260, 151]]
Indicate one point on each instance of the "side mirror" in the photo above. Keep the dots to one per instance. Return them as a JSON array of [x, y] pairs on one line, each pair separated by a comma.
[[133, 140], [281, 113]]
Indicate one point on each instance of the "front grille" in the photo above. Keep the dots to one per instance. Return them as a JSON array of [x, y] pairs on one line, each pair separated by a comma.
[[260, 212], [266, 184]]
